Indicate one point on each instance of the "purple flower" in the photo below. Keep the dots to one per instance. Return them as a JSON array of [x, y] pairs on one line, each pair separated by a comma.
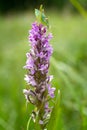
[[51, 91], [40, 122], [30, 80], [37, 66]]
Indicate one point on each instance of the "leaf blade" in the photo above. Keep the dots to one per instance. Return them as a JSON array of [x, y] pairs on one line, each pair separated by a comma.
[[55, 115]]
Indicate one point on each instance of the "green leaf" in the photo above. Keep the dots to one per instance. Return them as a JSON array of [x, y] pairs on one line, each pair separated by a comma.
[[55, 122], [41, 17], [37, 125], [37, 12], [28, 124], [44, 20], [38, 15]]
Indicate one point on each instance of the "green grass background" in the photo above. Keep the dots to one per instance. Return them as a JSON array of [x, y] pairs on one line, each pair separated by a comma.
[[68, 65]]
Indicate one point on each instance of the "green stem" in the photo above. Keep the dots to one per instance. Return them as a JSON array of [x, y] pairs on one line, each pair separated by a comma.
[[28, 124]]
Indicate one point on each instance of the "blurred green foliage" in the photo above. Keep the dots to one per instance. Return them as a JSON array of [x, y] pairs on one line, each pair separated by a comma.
[[83, 3], [79, 7], [68, 65], [17, 5]]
